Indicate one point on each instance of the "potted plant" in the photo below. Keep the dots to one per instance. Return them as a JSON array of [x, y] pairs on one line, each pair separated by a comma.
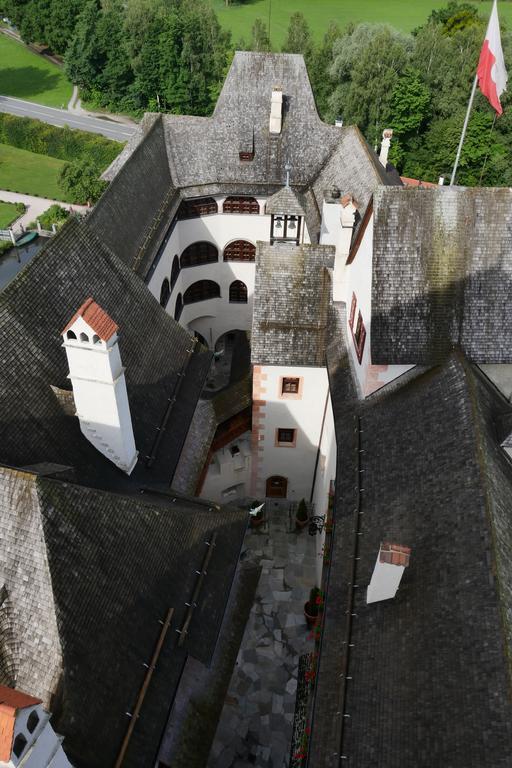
[[313, 607], [301, 516], [256, 513]]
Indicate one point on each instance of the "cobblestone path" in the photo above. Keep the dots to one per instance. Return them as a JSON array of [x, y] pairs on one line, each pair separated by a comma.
[[256, 722]]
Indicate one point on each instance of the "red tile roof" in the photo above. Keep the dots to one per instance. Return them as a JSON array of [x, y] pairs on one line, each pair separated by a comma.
[[394, 554], [14, 699], [96, 318], [10, 701], [417, 182]]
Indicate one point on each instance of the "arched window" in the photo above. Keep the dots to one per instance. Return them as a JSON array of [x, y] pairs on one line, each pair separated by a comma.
[[84, 337], [165, 292], [201, 206], [199, 253], [238, 292], [201, 291], [33, 720], [178, 307], [71, 335], [96, 339], [19, 745], [239, 250], [175, 271], [241, 205]]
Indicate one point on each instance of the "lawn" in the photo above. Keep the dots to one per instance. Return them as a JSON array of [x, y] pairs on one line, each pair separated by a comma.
[[403, 14], [26, 75], [8, 214], [31, 174]]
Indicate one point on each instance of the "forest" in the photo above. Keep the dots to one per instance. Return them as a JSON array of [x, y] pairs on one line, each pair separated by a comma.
[[172, 56]]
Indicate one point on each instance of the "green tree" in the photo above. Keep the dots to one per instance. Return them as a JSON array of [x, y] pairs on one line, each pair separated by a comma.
[[455, 16], [80, 181], [260, 40], [298, 38], [319, 70], [368, 62]]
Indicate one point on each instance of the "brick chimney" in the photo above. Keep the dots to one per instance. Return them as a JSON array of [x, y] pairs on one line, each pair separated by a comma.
[[384, 147], [99, 386], [392, 561]]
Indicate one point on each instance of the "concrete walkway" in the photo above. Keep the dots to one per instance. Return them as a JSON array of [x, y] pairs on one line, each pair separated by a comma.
[[256, 724], [35, 207]]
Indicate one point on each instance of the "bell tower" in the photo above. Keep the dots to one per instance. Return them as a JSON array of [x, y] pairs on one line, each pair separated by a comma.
[[99, 386]]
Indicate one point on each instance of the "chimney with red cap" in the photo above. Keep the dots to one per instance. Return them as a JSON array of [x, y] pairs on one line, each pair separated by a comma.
[[99, 386], [392, 561]]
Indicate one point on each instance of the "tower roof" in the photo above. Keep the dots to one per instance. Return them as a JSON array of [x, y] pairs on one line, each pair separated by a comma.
[[95, 317], [12, 699]]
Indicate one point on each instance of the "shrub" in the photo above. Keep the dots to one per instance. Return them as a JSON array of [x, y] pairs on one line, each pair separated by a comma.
[[63, 143], [80, 181], [55, 214]]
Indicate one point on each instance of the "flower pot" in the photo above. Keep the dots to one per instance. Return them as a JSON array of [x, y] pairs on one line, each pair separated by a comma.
[[300, 524], [311, 619], [256, 522]]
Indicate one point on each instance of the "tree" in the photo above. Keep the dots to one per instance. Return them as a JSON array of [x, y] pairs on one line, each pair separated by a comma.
[[368, 62], [319, 70], [455, 16], [298, 39], [260, 40], [80, 181]]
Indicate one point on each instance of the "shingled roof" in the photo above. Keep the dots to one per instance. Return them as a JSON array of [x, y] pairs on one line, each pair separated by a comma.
[[291, 303], [428, 680], [88, 576], [161, 361], [287, 201], [442, 274]]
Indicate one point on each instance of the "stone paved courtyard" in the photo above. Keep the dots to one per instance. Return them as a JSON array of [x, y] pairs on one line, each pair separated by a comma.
[[256, 723]]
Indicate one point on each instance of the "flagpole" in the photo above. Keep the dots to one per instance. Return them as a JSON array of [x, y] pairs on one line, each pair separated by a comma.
[[463, 136]]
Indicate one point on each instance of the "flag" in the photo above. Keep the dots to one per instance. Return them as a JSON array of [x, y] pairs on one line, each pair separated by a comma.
[[491, 72]]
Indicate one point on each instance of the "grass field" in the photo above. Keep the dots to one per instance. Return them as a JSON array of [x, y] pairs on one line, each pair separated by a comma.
[[31, 174], [403, 14], [8, 214], [26, 75]]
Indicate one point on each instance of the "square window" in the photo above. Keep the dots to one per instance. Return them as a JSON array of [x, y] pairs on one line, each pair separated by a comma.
[[286, 436], [290, 386]]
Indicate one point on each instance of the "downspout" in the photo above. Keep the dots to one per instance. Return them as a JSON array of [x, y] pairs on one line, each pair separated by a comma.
[[318, 449]]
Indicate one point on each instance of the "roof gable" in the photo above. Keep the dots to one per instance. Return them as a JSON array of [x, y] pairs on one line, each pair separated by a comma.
[[96, 318]]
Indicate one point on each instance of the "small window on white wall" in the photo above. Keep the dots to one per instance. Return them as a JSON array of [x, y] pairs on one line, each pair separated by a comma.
[[290, 387], [359, 337], [285, 437]]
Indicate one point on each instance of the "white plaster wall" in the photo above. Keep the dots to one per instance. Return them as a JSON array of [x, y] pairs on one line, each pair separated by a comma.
[[214, 317], [43, 748], [326, 474], [227, 471], [305, 415], [358, 280]]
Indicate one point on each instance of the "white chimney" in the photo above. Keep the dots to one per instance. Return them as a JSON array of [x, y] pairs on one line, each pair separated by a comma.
[[392, 560], [347, 219], [99, 386], [276, 111], [384, 147]]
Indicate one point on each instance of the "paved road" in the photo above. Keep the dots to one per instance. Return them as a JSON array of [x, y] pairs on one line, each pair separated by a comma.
[[110, 129]]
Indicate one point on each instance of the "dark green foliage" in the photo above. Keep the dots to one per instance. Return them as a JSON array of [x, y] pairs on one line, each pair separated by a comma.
[[302, 512], [63, 143], [455, 16], [298, 39], [44, 21], [80, 181]]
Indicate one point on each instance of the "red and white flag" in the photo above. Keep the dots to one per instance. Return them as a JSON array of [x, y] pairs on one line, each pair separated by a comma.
[[491, 72]]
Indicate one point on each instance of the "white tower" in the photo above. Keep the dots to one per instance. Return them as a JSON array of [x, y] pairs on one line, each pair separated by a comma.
[[99, 386]]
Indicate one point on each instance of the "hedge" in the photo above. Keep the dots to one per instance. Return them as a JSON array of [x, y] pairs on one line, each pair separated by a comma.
[[62, 143]]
